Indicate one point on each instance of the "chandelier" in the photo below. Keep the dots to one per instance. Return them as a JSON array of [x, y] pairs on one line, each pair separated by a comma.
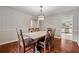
[[41, 17]]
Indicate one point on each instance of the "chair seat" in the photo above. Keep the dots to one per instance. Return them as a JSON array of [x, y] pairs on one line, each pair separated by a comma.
[[28, 41]]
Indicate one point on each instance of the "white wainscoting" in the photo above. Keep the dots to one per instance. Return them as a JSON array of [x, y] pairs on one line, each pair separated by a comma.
[[7, 36]]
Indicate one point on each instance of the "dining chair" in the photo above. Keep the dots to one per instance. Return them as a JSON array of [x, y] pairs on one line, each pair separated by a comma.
[[52, 34], [26, 44], [46, 42], [48, 39]]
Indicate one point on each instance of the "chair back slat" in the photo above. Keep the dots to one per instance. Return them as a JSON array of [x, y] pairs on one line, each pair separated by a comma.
[[20, 37], [47, 37], [52, 34]]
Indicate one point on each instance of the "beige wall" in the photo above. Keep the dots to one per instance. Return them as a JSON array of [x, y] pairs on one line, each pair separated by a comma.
[[56, 21], [10, 19], [76, 26]]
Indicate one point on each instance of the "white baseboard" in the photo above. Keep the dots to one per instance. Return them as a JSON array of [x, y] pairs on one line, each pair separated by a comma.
[[8, 42], [78, 43], [74, 40]]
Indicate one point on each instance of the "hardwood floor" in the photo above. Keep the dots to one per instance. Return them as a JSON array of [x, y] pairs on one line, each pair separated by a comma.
[[65, 46], [9, 48]]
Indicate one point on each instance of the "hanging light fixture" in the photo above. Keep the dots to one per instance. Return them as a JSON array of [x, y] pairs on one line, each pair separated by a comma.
[[41, 17]]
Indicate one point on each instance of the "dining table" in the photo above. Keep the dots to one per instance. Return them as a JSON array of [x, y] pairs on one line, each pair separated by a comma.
[[35, 36]]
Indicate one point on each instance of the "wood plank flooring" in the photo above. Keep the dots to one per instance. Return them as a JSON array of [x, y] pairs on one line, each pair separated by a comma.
[[66, 46]]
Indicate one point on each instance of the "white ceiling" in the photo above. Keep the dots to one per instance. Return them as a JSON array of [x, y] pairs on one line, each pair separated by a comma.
[[47, 10]]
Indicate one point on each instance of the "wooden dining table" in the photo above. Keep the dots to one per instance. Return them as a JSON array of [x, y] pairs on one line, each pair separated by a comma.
[[35, 36]]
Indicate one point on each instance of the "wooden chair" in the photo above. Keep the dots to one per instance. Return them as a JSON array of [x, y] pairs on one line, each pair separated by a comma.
[[49, 40], [25, 44], [52, 34], [46, 42]]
